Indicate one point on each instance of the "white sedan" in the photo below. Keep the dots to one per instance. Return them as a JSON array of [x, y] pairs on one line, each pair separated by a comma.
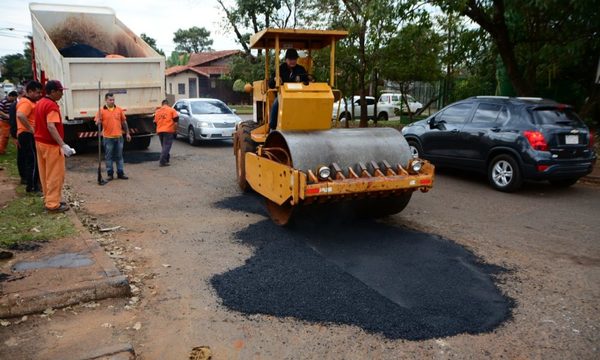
[[205, 119]]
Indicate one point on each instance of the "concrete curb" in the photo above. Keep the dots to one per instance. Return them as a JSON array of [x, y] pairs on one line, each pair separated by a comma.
[[85, 284], [590, 179], [38, 300]]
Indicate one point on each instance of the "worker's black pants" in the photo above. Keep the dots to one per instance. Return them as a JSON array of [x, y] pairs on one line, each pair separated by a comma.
[[27, 162], [166, 141]]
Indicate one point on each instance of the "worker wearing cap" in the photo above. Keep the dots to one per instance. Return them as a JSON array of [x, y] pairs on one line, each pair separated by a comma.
[[4, 117], [113, 121], [166, 124], [51, 149], [289, 71], [26, 153]]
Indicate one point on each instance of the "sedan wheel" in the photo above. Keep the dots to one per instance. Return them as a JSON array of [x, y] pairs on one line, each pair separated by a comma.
[[192, 137], [504, 173]]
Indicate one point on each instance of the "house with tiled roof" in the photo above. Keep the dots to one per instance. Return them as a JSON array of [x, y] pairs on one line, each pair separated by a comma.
[[202, 77]]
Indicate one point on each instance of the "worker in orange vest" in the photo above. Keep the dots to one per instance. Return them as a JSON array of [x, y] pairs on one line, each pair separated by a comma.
[[113, 121], [166, 119], [50, 147]]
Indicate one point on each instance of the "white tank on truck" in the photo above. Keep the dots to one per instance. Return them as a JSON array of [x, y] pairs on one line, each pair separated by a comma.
[[91, 52]]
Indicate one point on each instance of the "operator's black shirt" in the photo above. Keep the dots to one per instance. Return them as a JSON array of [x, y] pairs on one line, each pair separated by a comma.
[[296, 74]]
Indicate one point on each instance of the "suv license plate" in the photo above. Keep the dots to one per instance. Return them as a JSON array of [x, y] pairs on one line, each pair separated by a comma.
[[571, 139]]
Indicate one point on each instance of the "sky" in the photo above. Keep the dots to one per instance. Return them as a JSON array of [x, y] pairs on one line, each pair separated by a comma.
[[158, 19]]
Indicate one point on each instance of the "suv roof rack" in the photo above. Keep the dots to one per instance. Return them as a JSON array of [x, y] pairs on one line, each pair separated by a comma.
[[491, 97], [530, 98]]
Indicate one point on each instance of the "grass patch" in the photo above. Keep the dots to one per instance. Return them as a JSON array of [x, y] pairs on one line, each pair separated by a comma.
[[24, 219], [242, 109], [8, 161]]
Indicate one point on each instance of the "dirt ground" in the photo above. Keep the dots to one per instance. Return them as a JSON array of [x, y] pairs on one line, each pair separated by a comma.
[[175, 238]]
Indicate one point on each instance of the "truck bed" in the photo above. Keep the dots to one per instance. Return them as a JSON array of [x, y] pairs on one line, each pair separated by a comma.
[[137, 79]]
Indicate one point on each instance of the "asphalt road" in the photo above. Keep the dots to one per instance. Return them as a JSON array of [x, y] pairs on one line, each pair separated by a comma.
[[464, 271]]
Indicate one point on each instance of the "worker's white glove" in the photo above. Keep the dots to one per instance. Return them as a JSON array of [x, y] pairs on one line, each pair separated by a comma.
[[67, 150]]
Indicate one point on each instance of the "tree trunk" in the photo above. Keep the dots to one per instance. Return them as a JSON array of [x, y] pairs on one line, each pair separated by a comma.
[[364, 118], [495, 25], [235, 28]]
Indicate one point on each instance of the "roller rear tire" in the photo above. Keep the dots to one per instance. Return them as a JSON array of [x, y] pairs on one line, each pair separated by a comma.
[[243, 143]]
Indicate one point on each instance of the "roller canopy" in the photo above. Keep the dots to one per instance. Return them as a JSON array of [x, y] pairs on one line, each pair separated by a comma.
[[299, 39], [346, 147]]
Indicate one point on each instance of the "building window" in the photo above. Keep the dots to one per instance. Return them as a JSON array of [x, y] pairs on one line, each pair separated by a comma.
[[181, 89], [213, 83], [170, 88]]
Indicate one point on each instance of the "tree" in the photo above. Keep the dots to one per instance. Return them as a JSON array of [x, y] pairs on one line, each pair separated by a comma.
[[468, 57], [248, 17], [412, 55], [247, 68], [17, 67], [194, 39], [177, 59], [152, 42], [536, 38], [371, 23]]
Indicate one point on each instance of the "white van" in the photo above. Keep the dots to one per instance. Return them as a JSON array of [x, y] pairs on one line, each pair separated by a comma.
[[396, 99], [384, 111]]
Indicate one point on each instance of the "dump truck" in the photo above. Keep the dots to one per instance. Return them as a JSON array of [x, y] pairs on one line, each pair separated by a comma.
[[91, 52], [308, 160]]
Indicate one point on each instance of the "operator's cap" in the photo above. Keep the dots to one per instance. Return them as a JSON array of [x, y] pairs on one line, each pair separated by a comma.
[[54, 85], [291, 54]]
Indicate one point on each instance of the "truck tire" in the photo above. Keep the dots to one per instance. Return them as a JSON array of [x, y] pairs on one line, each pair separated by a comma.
[[141, 143], [243, 143], [383, 116]]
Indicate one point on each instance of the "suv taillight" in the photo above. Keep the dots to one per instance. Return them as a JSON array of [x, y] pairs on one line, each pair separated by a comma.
[[536, 140], [592, 139]]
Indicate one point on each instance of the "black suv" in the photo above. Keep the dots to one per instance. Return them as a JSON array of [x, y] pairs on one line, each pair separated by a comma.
[[510, 139]]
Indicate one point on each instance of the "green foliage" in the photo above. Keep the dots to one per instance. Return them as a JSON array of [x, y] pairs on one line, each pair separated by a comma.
[[194, 39], [248, 68], [548, 48], [178, 58], [412, 55], [152, 42], [238, 85], [16, 67]]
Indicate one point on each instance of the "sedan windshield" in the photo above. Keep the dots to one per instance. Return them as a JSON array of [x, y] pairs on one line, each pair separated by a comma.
[[209, 107]]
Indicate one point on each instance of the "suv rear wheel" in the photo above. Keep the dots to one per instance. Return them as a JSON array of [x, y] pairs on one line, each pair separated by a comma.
[[504, 173]]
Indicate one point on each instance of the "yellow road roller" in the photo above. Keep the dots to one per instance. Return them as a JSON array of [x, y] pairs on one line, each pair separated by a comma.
[[308, 160]]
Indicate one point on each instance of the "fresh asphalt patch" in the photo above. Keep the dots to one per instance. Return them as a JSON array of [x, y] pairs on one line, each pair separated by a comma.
[[137, 157], [384, 279]]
